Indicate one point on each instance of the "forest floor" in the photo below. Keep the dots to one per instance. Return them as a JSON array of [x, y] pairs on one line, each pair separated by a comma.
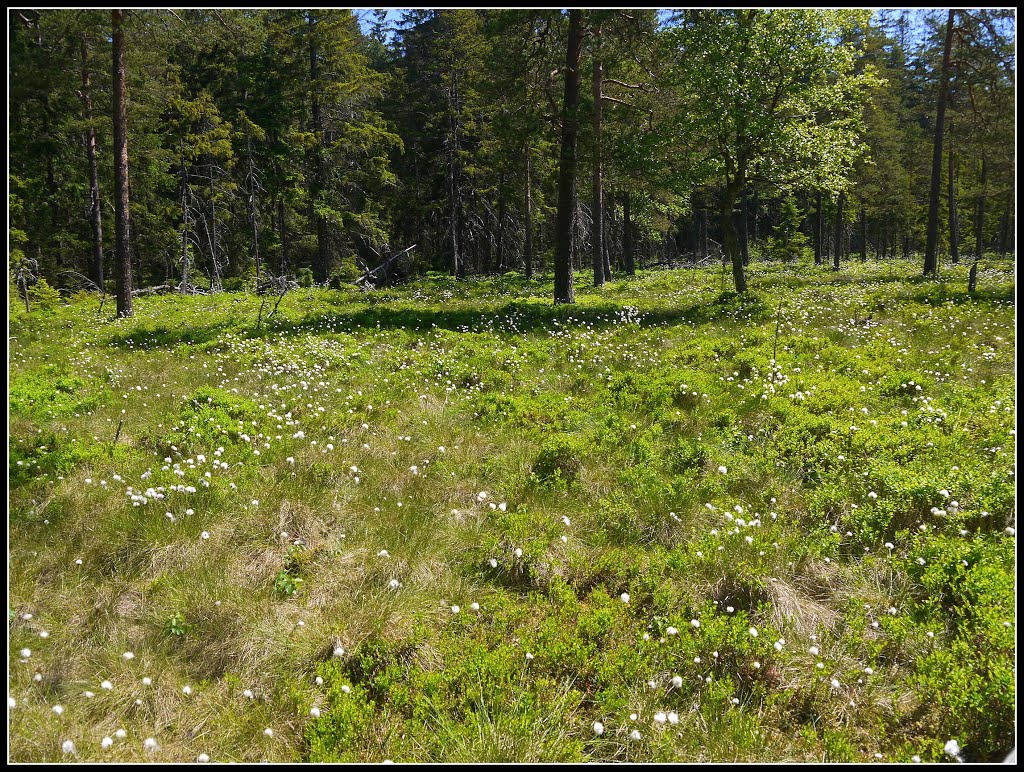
[[452, 522]]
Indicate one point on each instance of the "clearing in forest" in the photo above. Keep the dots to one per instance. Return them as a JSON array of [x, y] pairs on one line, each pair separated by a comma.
[[452, 522]]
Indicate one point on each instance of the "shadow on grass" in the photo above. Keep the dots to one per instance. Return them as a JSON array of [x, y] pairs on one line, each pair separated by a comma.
[[521, 318], [165, 336]]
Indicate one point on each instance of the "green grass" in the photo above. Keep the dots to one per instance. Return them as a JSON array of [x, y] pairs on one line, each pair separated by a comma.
[[346, 475]]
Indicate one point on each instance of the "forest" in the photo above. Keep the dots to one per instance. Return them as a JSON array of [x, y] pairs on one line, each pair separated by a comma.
[[268, 143], [519, 386]]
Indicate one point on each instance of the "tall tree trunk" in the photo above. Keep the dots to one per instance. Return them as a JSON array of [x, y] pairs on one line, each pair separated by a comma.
[[954, 230], [702, 232], [627, 236], [122, 260], [1004, 230], [252, 202], [839, 254], [95, 214], [567, 162], [321, 263], [979, 224], [863, 234], [528, 241], [611, 234], [183, 286], [819, 229], [458, 261], [730, 241], [597, 215], [931, 249], [215, 280], [283, 233], [744, 240]]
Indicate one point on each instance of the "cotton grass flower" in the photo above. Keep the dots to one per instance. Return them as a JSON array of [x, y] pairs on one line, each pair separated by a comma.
[[952, 749], [598, 728], [68, 746], [150, 745]]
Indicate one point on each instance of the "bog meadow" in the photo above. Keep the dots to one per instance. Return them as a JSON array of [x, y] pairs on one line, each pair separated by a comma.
[[511, 386]]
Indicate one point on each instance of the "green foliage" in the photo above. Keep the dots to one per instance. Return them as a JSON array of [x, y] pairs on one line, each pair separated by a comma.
[[176, 625], [286, 583], [42, 296], [559, 460], [706, 485]]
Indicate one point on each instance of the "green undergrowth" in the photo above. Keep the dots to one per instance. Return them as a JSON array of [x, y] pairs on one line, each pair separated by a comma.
[[450, 521]]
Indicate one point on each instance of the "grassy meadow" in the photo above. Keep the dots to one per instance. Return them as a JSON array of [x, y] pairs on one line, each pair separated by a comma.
[[449, 521]]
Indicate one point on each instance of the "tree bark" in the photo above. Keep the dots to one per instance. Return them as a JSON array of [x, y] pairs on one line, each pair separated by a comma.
[[122, 255], [839, 233], [283, 233], [528, 241], [979, 224], [819, 231], [252, 202], [931, 250], [95, 214], [863, 234], [597, 215], [1004, 231], [954, 230], [500, 247], [184, 223], [567, 162], [627, 236], [321, 268], [744, 240], [730, 241]]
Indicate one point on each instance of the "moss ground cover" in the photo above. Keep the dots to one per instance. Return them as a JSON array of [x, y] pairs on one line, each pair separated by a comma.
[[452, 522]]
